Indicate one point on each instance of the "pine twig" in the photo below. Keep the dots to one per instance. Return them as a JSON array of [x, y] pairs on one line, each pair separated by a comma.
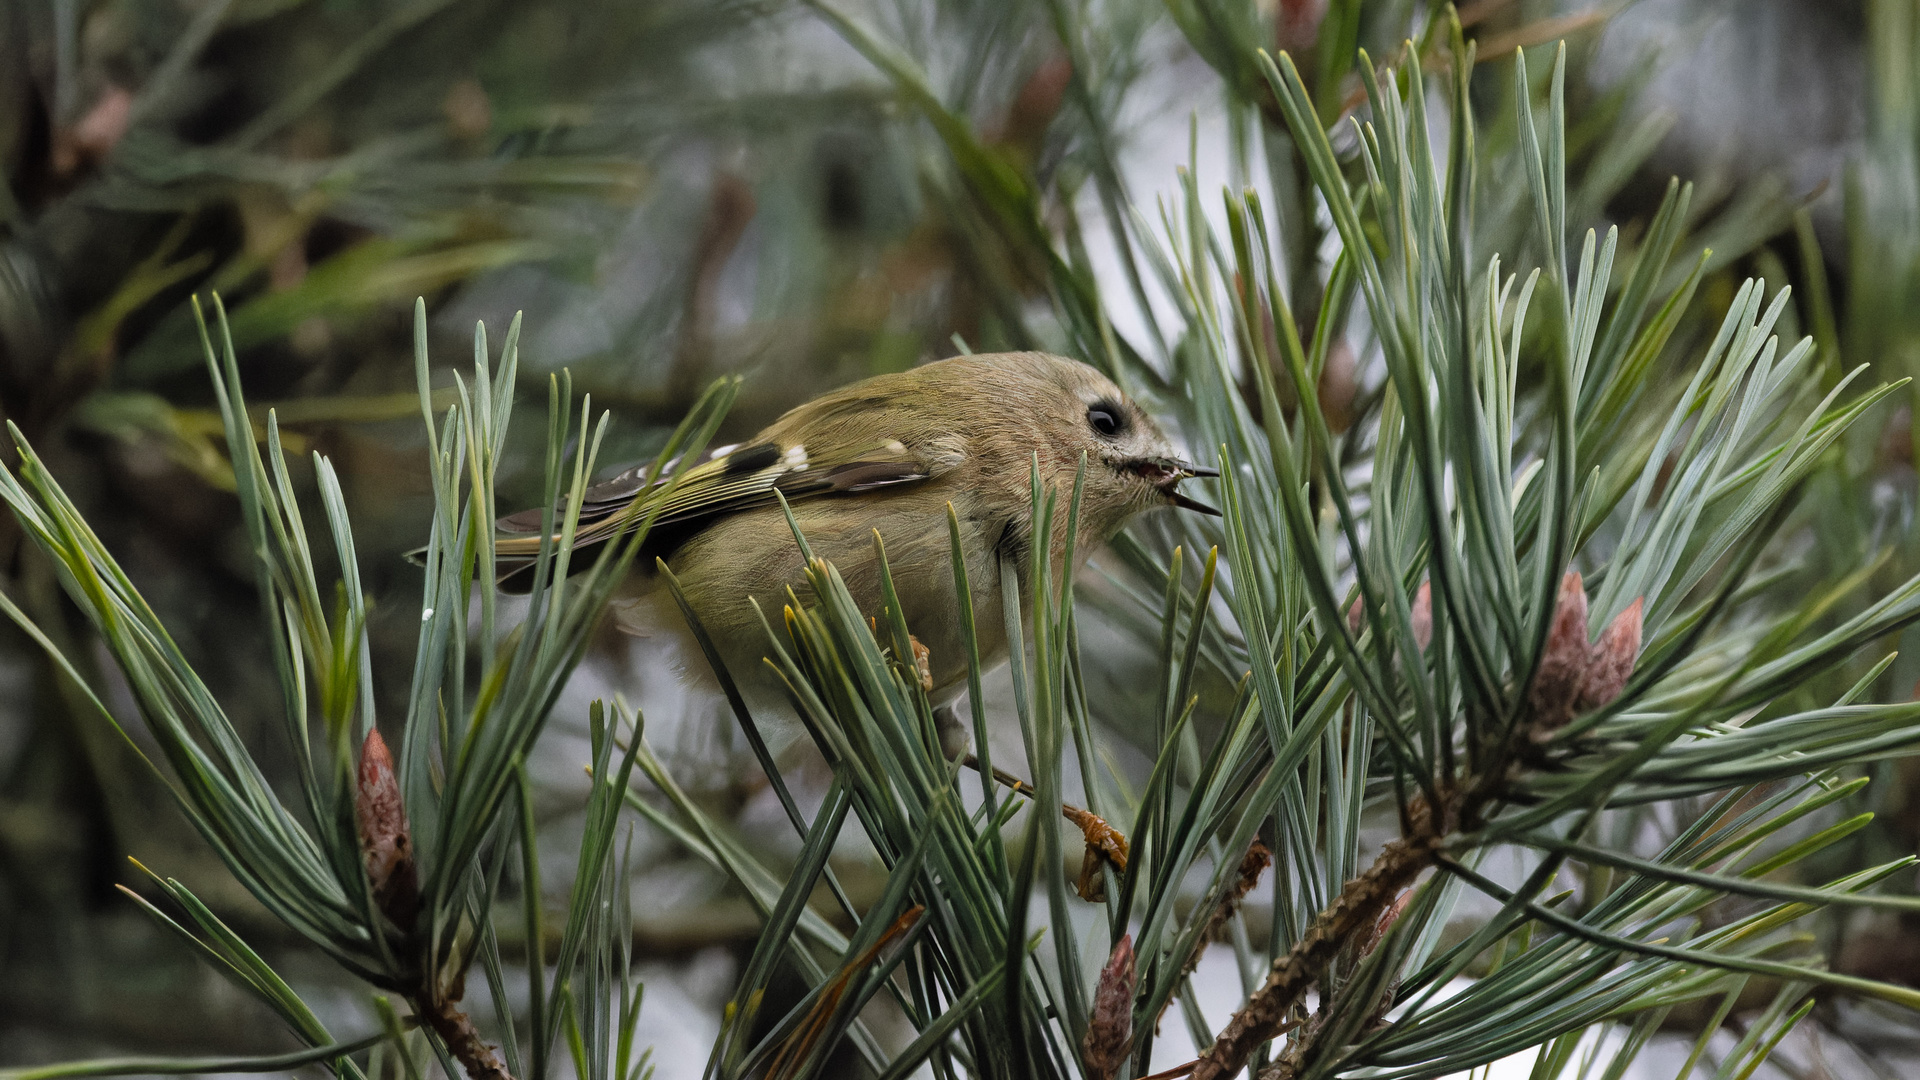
[[1252, 865], [1358, 907], [463, 1040]]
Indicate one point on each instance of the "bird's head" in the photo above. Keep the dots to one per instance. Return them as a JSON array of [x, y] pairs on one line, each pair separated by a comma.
[[1131, 463]]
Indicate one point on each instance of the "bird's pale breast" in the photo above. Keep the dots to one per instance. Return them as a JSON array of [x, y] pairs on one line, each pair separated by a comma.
[[751, 557]]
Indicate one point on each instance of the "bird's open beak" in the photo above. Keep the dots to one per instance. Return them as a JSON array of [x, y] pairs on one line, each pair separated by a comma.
[[1166, 474]]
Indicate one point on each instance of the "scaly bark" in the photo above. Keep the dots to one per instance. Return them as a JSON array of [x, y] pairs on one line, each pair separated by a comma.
[[1359, 905], [463, 1040]]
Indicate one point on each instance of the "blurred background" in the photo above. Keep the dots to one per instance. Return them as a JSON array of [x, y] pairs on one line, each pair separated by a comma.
[[671, 190]]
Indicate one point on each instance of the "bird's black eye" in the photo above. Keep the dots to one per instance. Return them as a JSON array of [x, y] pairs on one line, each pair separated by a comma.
[[1106, 419]]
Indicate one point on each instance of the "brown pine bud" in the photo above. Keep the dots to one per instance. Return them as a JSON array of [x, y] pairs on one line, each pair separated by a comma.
[[1422, 615], [1110, 1028], [1339, 384], [1036, 105], [1296, 26], [468, 109], [1563, 665], [95, 134], [385, 843], [1612, 661]]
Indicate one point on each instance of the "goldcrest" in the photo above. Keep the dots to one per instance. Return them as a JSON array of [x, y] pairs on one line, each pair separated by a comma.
[[887, 454]]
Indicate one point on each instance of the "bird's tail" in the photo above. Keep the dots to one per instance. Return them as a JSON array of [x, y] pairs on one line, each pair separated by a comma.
[[515, 556], [609, 511], [513, 570]]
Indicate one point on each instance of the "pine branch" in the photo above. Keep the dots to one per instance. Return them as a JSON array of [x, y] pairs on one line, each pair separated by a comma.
[[1349, 918]]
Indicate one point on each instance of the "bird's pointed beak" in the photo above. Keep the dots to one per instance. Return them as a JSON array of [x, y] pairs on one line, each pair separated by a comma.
[[1166, 474], [1195, 505]]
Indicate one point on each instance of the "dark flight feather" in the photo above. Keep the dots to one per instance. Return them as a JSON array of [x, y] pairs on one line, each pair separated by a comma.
[[740, 479]]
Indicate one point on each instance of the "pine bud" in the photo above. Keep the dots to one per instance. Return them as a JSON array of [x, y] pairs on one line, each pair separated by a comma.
[[385, 843], [1110, 1028], [1556, 686], [1421, 615], [1612, 661]]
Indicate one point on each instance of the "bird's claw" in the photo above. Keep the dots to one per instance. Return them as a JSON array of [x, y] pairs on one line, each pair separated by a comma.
[[1104, 844], [922, 666], [922, 663]]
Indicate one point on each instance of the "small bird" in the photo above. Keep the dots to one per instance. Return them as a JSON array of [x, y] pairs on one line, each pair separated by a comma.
[[886, 454]]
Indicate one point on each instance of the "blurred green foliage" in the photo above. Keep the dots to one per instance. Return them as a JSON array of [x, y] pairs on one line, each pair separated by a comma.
[[675, 189]]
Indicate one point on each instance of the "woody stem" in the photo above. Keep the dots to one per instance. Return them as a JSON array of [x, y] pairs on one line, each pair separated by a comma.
[[1358, 906], [462, 1038]]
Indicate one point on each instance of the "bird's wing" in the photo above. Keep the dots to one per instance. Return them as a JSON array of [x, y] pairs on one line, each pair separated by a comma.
[[732, 480]]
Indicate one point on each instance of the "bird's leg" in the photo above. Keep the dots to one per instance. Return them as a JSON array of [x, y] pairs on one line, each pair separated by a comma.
[[1003, 777], [1104, 842]]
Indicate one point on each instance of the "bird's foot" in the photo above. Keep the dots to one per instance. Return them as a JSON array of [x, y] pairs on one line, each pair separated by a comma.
[[922, 664], [1104, 844]]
